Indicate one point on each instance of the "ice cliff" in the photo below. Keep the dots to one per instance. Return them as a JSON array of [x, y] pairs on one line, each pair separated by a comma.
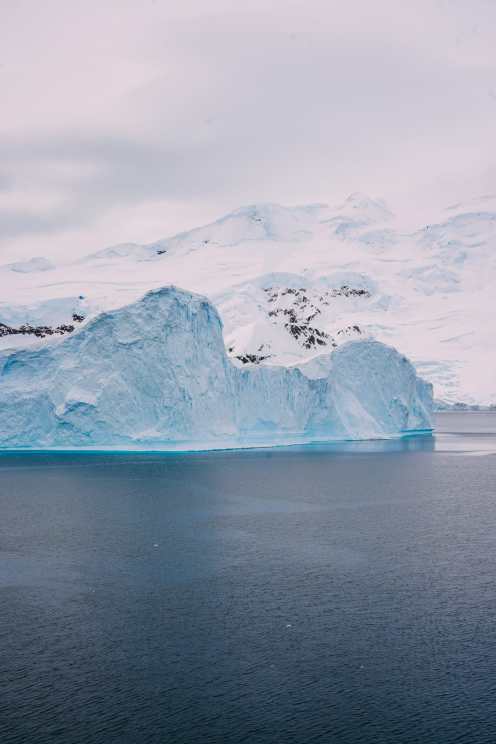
[[155, 373]]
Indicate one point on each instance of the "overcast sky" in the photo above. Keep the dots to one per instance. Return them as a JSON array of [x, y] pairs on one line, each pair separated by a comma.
[[129, 120]]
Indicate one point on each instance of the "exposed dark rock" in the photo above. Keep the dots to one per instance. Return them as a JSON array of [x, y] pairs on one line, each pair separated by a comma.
[[38, 331], [252, 358], [297, 318], [349, 330], [296, 309]]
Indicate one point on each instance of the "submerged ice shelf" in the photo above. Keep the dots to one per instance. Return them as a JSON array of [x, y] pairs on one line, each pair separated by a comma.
[[156, 373]]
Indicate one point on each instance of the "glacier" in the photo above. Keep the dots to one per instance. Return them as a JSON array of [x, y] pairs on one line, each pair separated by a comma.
[[155, 374]]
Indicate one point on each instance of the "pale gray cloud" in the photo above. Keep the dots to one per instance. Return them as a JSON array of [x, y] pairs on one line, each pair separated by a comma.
[[128, 121]]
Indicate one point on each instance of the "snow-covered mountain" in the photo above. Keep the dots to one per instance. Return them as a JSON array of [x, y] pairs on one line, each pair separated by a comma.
[[156, 373], [291, 283]]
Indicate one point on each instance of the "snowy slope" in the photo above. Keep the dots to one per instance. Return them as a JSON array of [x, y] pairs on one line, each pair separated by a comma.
[[37, 263], [293, 282], [156, 373]]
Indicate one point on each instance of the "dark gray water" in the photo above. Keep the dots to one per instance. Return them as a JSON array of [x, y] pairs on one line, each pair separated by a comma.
[[324, 594]]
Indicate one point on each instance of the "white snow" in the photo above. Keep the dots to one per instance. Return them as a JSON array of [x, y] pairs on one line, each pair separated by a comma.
[[37, 263], [123, 251]]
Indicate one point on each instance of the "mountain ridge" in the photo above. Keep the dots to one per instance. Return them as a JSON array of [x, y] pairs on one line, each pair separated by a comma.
[[430, 289]]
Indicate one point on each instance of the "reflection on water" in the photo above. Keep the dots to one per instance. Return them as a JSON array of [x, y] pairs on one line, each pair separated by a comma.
[[471, 433], [414, 443]]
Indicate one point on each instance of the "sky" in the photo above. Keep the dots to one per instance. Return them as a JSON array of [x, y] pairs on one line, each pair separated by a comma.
[[128, 121]]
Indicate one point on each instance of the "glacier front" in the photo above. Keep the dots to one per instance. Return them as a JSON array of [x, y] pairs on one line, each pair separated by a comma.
[[155, 374]]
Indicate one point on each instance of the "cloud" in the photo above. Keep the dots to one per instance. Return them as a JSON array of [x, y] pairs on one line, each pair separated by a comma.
[[114, 111]]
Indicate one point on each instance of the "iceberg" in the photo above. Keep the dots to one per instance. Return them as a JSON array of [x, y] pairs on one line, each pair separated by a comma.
[[155, 374]]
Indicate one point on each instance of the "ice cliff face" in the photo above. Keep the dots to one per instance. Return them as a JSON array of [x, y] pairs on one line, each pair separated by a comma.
[[156, 372]]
